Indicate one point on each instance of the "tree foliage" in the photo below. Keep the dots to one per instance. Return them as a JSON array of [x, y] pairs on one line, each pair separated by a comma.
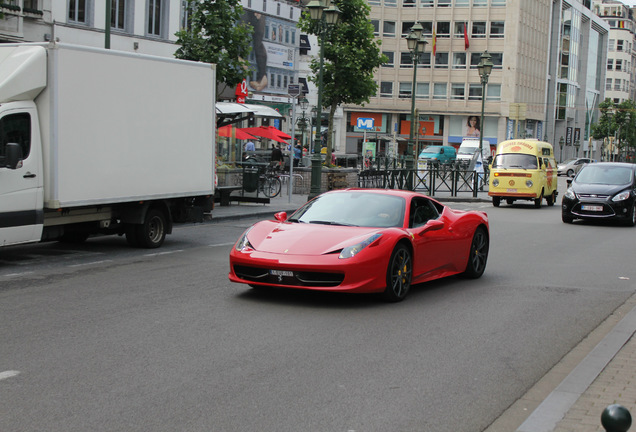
[[216, 35], [617, 121], [352, 54]]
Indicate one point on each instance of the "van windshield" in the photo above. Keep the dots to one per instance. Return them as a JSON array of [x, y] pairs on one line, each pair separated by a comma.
[[435, 149], [465, 150], [515, 160]]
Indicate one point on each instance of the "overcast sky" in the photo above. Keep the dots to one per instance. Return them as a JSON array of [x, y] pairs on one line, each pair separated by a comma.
[[629, 2]]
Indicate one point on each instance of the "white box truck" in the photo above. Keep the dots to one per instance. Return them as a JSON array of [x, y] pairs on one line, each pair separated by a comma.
[[94, 141]]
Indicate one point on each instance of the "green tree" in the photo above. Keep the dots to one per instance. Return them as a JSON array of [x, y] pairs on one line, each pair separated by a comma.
[[617, 121], [216, 35], [352, 54]]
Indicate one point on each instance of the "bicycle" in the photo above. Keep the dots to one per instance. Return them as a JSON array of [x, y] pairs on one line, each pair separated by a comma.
[[269, 183]]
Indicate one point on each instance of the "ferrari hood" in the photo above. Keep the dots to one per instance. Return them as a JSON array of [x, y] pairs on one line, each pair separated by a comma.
[[304, 239]]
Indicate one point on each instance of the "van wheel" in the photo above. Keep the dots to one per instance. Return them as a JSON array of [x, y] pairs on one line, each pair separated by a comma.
[[538, 201], [510, 201], [551, 199], [152, 232], [496, 201]]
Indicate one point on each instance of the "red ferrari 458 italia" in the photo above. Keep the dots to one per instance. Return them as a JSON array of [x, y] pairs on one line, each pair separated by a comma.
[[362, 241]]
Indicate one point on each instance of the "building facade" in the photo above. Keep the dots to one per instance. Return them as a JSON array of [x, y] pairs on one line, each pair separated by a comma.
[[549, 61]]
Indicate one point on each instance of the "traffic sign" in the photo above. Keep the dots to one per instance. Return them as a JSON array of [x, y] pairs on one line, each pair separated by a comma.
[[365, 123]]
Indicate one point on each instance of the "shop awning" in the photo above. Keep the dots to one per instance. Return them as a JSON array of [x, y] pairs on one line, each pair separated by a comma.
[[231, 112]]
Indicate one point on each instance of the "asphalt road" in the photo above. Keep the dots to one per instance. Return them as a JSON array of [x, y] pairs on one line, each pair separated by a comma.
[[102, 337]]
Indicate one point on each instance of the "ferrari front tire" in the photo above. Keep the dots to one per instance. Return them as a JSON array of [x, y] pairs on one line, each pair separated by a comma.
[[398, 274], [478, 255]]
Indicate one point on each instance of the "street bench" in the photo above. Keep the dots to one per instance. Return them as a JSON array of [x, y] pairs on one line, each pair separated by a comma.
[[222, 194]]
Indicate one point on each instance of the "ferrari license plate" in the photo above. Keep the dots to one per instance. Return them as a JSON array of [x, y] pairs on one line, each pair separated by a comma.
[[593, 208], [281, 273]]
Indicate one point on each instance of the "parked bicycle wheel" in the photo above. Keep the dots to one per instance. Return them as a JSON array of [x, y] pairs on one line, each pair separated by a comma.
[[271, 186]]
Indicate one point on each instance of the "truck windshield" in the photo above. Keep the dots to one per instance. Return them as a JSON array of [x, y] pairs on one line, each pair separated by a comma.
[[515, 160]]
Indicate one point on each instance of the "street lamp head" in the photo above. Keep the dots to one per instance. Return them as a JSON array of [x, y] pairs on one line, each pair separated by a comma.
[[561, 141], [411, 41], [485, 66], [421, 44], [417, 30], [332, 14], [315, 9], [303, 103]]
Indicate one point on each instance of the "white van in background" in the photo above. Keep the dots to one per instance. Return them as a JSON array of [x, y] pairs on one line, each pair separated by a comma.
[[469, 147]]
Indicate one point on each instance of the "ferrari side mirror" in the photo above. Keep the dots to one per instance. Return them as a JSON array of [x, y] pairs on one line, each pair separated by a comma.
[[281, 216]]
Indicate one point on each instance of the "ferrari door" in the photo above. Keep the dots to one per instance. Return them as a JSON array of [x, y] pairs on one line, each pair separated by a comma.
[[431, 251]]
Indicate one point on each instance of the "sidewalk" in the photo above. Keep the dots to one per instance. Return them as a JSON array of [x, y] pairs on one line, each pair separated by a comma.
[[571, 397]]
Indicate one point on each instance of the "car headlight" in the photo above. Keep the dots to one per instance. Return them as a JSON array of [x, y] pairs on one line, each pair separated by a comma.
[[529, 183], [569, 194], [243, 243], [351, 251], [621, 196]]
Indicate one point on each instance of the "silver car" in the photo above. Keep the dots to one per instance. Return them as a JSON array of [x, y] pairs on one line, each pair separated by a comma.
[[572, 166]]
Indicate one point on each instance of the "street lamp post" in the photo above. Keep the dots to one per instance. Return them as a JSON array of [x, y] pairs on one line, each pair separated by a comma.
[[302, 122], [416, 45], [484, 68], [325, 15], [561, 142]]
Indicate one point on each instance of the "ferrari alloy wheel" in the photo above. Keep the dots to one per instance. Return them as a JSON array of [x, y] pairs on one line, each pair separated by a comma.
[[478, 254], [398, 275]]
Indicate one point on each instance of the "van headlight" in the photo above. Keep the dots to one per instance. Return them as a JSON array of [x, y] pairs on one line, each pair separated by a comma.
[[495, 182], [529, 183], [621, 196]]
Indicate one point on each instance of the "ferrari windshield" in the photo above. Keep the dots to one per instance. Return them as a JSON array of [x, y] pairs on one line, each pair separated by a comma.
[[515, 160], [353, 209], [598, 174]]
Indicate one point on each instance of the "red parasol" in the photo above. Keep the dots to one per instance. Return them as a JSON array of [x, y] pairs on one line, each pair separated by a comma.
[[227, 131], [268, 132]]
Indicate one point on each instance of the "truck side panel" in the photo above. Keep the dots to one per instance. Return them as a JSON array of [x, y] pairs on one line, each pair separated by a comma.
[[119, 127]]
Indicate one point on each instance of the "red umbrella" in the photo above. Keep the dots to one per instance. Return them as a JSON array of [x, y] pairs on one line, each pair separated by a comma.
[[268, 132], [227, 131]]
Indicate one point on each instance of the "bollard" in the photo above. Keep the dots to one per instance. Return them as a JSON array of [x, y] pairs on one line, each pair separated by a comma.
[[616, 418]]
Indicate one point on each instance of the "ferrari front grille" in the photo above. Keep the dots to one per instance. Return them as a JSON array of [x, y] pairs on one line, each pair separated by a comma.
[[302, 278]]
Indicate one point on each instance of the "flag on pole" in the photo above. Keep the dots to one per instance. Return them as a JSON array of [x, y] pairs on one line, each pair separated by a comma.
[[434, 42], [466, 43]]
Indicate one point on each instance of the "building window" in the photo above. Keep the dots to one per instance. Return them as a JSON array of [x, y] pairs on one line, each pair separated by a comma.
[[79, 11], [443, 29], [390, 3], [427, 28], [375, 2], [474, 92], [619, 45], [376, 27], [422, 90], [441, 60], [497, 29], [439, 91], [497, 3], [458, 91], [388, 29], [619, 65], [479, 29], [617, 85], [462, 3], [443, 3], [458, 29], [610, 64], [386, 89], [390, 55], [120, 15], [277, 8], [493, 92], [496, 59], [459, 60], [427, 3], [31, 6], [611, 44], [155, 18], [406, 27], [405, 90], [480, 3], [608, 84], [408, 3]]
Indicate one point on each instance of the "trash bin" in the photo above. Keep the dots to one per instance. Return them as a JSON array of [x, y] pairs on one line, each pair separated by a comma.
[[250, 179]]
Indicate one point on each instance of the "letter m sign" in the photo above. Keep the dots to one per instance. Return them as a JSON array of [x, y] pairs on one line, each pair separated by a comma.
[[365, 123]]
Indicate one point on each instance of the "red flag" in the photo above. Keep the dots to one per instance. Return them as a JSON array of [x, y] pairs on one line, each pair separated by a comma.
[[466, 43], [434, 43]]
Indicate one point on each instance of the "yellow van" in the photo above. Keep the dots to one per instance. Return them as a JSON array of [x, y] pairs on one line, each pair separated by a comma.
[[523, 169]]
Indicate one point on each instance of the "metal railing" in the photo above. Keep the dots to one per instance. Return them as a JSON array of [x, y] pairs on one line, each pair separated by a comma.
[[455, 179]]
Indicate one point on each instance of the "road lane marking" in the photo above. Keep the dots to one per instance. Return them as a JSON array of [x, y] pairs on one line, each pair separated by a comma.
[[221, 244], [8, 374], [163, 253], [90, 263]]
